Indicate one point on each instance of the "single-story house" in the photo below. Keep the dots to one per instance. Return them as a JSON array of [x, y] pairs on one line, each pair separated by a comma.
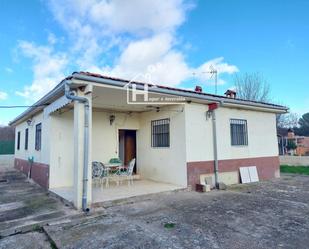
[[178, 137]]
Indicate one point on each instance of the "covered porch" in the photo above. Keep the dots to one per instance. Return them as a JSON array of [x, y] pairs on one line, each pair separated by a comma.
[[118, 130], [101, 194]]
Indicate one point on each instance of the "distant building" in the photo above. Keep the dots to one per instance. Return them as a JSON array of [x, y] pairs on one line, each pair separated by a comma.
[[301, 142]]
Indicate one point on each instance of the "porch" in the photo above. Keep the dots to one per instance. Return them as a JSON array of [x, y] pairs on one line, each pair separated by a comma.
[[118, 130], [101, 194]]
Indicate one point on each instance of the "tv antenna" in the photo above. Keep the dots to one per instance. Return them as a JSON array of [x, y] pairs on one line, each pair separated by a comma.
[[213, 74]]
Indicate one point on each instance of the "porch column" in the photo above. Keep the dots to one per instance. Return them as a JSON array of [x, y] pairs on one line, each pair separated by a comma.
[[79, 124]]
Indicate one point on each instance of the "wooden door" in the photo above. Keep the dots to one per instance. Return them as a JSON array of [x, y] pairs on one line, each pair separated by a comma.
[[129, 146]]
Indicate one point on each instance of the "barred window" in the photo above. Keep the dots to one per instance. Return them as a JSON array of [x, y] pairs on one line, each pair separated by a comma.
[[38, 136], [160, 133], [18, 140], [239, 132], [26, 138]]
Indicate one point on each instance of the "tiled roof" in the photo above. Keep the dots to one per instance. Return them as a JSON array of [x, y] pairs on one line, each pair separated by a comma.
[[175, 89]]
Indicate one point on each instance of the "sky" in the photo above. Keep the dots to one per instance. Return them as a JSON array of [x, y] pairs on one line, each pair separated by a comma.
[[175, 42]]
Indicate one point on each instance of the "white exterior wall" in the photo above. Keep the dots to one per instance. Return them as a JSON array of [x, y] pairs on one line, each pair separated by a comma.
[[61, 151], [262, 134], [105, 136], [262, 140], [41, 156], [199, 145], [163, 164]]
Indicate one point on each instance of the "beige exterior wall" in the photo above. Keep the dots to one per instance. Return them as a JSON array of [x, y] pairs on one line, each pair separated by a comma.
[[262, 140], [105, 136], [61, 153], [199, 145], [163, 164], [41, 156]]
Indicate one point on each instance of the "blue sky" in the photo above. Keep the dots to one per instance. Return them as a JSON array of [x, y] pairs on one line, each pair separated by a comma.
[[43, 41]]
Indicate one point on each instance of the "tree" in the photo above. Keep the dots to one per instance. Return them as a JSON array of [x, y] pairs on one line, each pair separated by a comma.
[[303, 128], [288, 120], [291, 145], [252, 87]]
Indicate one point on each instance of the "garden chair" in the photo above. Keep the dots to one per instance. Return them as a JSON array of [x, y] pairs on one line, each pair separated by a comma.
[[127, 173], [100, 174]]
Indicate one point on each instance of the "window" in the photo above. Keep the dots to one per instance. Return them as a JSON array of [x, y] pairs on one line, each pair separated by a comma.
[[239, 132], [160, 133], [38, 136], [26, 138], [18, 140]]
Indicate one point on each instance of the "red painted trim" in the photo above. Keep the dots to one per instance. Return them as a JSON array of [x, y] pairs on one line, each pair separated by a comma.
[[267, 167], [39, 171]]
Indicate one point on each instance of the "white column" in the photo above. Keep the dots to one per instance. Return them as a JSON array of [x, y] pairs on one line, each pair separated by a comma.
[[79, 125]]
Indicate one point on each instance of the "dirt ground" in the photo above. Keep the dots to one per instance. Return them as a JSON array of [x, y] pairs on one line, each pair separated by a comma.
[[271, 214]]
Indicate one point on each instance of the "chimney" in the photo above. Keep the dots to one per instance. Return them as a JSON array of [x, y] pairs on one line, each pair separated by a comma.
[[198, 89], [230, 94]]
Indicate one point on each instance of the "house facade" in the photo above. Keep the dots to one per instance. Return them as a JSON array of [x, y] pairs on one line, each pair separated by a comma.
[[87, 117]]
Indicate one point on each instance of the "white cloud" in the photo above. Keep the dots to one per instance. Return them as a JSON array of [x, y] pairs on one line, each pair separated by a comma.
[[170, 67], [48, 69], [138, 15], [119, 38], [3, 95], [9, 70]]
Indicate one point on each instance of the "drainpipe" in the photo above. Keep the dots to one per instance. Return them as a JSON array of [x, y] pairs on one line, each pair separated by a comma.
[[211, 109], [71, 95]]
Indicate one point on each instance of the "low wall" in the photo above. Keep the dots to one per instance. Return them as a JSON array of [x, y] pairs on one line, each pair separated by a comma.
[[294, 160], [39, 171], [267, 168], [6, 161]]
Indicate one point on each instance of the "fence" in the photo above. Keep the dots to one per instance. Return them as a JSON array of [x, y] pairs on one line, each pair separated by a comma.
[[294, 160], [7, 147]]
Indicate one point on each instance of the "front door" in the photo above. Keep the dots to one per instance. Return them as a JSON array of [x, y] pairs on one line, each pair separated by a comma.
[[127, 146]]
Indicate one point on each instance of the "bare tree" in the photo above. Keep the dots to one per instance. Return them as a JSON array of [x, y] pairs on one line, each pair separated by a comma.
[[252, 87], [289, 120]]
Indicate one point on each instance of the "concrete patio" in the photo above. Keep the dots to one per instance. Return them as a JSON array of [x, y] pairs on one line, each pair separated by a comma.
[[101, 193]]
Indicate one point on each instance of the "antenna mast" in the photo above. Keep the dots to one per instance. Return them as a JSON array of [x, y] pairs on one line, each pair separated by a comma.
[[214, 73]]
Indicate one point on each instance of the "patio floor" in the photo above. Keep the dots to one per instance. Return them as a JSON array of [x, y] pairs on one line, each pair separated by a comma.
[[138, 188], [113, 192]]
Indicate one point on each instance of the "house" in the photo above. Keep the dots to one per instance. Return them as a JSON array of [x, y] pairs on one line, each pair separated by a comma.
[[301, 142], [178, 137]]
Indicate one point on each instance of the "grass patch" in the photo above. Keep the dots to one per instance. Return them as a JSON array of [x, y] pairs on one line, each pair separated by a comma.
[[169, 225], [303, 170]]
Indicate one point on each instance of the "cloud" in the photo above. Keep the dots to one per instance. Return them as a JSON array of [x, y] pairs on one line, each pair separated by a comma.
[[8, 70], [119, 38], [156, 56], [97, 26], [48, 69], [3, 95]]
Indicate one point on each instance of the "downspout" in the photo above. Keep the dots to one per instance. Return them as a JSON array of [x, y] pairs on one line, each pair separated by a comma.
[[71, 95], [211, 109]]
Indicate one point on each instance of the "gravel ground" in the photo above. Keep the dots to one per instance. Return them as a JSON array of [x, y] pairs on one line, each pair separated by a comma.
[[33, 240], [271, 214]]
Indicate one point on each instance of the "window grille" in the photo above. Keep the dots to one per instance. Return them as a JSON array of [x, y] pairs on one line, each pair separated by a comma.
[[239, 132], [38, 136], [160, 133], [26, 138]]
